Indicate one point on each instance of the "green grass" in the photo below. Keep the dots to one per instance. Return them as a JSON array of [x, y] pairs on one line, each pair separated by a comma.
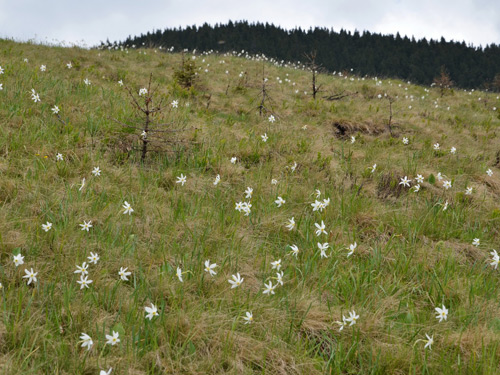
[[412, 255]]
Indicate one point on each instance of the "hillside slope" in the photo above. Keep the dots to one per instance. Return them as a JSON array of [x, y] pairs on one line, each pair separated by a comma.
[[415, 251]]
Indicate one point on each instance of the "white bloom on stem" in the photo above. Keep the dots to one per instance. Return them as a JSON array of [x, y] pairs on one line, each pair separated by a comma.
[[123, 273], [30, 275], [86, 225], [127, 208], [113, 339], [181, 180], [351, 249], [323, 247], [236, 281], [151, 311], [46, 227], [210, 268], [405, 181], [442, 313], [18, 259], [248, 193], [279, 202], [248, 318], [86, 341]]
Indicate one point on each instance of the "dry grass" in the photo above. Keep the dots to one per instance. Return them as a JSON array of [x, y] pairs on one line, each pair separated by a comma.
[[412, 255]]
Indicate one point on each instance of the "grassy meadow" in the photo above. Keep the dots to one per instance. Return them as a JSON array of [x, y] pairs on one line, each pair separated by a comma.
[[415, 250]]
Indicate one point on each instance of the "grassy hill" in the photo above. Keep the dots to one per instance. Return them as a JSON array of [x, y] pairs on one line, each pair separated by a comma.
[[416, 251]]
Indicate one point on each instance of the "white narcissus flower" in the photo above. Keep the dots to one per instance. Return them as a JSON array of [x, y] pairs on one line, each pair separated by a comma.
[[322, 248], [271, 119], [476, 242], [128, 208], [352, 318], [123, 273], [30, 275], [143, 91], [233, 160], [264, 137], [43, 68], [84, 282], [151, 311], [320, 228], [59, 157], [83, 184], [291, 224], [428, 342], [236, 281], [96, 171], [86, 225], [181, 180], [120, 82], [276, 264], [106, 372], [489, 172], [279, 202], [274, 181], [442, 313], [374, 167], [93, 258], [18, 260], [87, 82], [405, 181], [178, 273], [175, 104], [279, 278], [210, 268], [405, 141], [351, 249], [82, 269], [447, 184], [248, 318], [445, 206], [495, 259], [419, 179], [436, 146], [217, 180], [248, 193], [295, 250], [86, 341], [69, 65], [416, 188], [55, 109], [353, 139], [46, 227], [269, 288], [318, 193], [113, 339], [453, 150], [468, 191], [342, 323]]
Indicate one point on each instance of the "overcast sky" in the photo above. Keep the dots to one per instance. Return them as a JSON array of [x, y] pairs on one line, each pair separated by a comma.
[[472, 21]]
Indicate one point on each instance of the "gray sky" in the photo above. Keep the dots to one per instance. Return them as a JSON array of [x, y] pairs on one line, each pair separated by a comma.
[[474, 21]]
